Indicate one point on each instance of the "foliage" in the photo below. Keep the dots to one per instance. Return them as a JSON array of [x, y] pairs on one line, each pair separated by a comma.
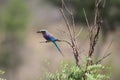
[[95, 72], [73, 72], [13, 21], [88, 70], [1, 73], [15, 16]]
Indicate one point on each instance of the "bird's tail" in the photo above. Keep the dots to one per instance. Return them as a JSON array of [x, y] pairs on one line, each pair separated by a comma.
[[57, 47]]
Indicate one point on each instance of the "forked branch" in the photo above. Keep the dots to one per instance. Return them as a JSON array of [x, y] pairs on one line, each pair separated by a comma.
[[71, 31]]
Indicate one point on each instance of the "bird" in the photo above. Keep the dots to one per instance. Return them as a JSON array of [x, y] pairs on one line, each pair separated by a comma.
[[50, 38]]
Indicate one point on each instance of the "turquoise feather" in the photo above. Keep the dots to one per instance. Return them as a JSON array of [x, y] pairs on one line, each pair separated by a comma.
[[56, 45]]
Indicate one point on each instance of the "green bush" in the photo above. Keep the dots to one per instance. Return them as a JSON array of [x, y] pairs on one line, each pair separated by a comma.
[[1, 73], [13, 24], [73, 72]]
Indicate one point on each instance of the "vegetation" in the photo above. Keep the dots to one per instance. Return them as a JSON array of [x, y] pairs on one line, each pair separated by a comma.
[[73, 72], [13, 20], [88, 70], [13, 24], [1, 73]]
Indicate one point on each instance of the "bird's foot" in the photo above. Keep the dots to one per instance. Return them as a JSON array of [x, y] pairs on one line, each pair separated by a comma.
[[47, 41]]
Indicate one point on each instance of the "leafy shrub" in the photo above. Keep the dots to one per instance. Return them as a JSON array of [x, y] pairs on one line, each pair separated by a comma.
[[73, 72], [1, 73]]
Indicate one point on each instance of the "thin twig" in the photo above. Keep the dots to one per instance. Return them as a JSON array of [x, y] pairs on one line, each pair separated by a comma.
[[59, 41], [67, 23], [94, 34], [108, 48], [110, 45], [94, 42], [104, 4], [70, 31], [104, 57], [99, 1], [65, 41], [79, 32], [73, 23], [64, 6], [86, 19], [71, 14], [65, 18], [95, 15]]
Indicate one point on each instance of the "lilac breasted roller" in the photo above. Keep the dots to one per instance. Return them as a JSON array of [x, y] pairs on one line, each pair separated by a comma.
[[49, 37]]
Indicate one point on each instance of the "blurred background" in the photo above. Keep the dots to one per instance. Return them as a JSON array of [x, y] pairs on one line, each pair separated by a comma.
[[23, 57]]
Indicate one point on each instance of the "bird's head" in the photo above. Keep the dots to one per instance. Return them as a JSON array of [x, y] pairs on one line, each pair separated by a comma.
[[42, 31]]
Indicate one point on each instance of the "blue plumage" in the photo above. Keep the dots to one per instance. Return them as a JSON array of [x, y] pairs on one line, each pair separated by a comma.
[[49, 37]]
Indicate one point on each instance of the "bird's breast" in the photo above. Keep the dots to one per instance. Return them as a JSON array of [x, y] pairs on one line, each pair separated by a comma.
[[45, 37]]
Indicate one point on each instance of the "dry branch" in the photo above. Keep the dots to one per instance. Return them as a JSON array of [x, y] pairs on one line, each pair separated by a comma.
[[71, 31], [59, 41], [94, 33], [88, 25], [104, 57]]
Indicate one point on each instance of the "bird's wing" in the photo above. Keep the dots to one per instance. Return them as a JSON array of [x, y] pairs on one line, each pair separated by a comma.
[[50, 37]]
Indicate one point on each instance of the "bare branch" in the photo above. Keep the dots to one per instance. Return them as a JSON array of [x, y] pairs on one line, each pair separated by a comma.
[[73, 23], [67, 23], [94, 41], [104, 57], [65, 41], [110, 45], [104, 4], [73, 40], [64, 6], [94, 34], [71, 14], [86, 19], [99, 1], [79, 33], [59, 41]]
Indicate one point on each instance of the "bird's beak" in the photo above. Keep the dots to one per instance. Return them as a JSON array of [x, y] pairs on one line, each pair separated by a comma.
[[38, 32]]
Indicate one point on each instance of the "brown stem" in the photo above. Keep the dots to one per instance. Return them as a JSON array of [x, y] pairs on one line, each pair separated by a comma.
[[72, 36], [104, 57]]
